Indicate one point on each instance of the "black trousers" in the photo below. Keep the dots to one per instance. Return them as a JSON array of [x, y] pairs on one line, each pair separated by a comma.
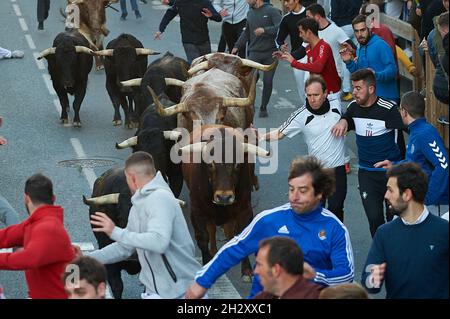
[[231, 33], [336, 201], [43, 6], [372, 188]]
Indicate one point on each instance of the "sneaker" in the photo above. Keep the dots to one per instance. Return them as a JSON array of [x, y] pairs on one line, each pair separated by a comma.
[[123, 17], [347, 97], [138, 14], [143, 1], [41, 26], [263, 113], [347, 168], [17, 54]]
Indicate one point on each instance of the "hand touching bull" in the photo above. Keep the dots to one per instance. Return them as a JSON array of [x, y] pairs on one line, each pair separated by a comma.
[[103, 222]]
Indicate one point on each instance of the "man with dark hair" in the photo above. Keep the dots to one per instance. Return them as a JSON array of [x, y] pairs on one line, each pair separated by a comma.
[[324, 239], [425, 147], [442, 26], [279, 265], [156, 229], [85, 278], [315, 120], [320, 59], [344, 291], [409, 253], [46, 245], [373, 53], [375, 122]]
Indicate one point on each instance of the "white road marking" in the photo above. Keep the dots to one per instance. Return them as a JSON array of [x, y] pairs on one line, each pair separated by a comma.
[[30, 42], [88, 172], [40, 63], [23, 24], [160, 7], [13, 0], [17, 10], [283, 103], [57, 105], [48, 84]]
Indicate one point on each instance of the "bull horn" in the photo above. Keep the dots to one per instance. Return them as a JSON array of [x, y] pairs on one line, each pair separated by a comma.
[[175, 109], [143, 51], [198, 67], [172, 135], [102, 200], [172, 81], [76, 1], [132, 141], [182, 203], [193, 148], [82, 49], [242, 101], [132, 82], [46, 52], [259, 66], [255, 150], [107, 52]]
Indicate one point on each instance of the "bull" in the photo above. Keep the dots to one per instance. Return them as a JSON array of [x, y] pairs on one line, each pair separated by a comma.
[[112, 196], [69, 63], [220, 186], [125, 59]]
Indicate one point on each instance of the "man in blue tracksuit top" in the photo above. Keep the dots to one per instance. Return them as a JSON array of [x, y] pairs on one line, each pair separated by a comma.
[[373, 53], [323, 239], [425, 147]]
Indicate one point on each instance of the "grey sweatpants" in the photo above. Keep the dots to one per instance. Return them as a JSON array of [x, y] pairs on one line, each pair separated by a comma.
[[264, 58]]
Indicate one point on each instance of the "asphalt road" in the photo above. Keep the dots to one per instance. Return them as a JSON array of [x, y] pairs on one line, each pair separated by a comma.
[[39, 143]]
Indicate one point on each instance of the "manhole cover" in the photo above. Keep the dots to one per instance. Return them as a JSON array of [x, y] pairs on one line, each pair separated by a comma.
[[87, 163]]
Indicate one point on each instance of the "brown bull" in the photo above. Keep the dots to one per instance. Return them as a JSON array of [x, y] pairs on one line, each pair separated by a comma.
[[93, 23], [220, 185]]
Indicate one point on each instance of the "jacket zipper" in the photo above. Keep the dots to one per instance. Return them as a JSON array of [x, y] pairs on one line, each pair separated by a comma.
[[151, 270], [169, 268]]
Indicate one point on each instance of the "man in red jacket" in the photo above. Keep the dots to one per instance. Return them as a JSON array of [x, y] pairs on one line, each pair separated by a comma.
[[45, 245]]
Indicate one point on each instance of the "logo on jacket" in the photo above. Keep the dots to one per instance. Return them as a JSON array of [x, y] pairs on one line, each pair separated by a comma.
[[364, 195], [412, 148], [322, 235], [283, 230], [369, 129], [431, 247]]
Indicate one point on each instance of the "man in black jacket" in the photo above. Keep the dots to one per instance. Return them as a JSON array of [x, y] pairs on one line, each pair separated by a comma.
[[194, 15]]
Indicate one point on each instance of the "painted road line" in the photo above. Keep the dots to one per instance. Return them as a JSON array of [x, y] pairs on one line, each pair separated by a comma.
[[23, 24], [17, 10], [48, 84], [30, 42], [88, 172], [40, 63]]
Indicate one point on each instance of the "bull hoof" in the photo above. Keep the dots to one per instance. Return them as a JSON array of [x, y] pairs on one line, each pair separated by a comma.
[[246, 278], [68, 109], [64, 121], [129, 126], [99, 67], [117, 122], [77, 124]]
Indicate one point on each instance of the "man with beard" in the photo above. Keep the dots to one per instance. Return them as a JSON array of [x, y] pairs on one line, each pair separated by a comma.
[[375, 122], [324, 240], [45, 245], [409, 253], [375, 54]]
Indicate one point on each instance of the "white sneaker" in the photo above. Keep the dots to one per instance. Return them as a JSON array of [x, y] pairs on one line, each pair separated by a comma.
[[17, 54]]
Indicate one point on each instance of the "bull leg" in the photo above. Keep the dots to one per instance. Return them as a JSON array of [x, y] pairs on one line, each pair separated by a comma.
[[111, 88], [246, 267], [129, 116], [211, 227], [99, 63], [64, 101], [79, 97], [126, 110], [201, 235], [115, 280]]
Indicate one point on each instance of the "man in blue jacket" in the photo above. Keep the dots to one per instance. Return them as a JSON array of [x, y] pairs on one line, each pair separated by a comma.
[[323, 239], [425, 147], [375, 54]]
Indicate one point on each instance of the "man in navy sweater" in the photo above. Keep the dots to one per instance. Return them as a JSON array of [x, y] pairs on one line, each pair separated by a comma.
[[324, 240], [425, 147], [410, 253]]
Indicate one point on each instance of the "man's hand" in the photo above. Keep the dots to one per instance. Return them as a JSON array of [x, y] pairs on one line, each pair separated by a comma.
[[78, 252], [284, 47], [283, 56], [346, 52], [157, 35], [386, 164], [376, 275], [195, 292], [3, 141], [259, 31], [424, 44], [419, 12], [234, 51], [104, 223], [308, 271], [207, 13], [340, 128], [224, 13]]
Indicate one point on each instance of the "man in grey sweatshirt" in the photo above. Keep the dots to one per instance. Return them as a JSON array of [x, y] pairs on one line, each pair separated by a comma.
[[260, 32], [156, 229]]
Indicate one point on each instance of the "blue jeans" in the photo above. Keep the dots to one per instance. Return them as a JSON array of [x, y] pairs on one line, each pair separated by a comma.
[[8, 215], [123, 6]]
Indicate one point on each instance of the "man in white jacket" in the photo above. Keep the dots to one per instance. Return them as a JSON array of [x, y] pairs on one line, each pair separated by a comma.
[[156, 229]]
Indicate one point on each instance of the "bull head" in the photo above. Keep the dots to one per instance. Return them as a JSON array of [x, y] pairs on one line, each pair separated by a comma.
[[50, 51], [113, 199]]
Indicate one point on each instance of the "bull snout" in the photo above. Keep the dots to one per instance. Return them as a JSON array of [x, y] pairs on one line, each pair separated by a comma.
[[224, 198]]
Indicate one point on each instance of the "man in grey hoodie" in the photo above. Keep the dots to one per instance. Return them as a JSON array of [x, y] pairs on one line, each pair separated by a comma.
[[260, 32], [156, 229]]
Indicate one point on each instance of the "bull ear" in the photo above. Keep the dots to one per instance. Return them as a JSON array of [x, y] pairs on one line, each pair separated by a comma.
[[46, 52], [143, 51]]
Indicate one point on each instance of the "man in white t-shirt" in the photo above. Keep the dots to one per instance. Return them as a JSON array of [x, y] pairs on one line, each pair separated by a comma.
[[315, 120], [335, 37]]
